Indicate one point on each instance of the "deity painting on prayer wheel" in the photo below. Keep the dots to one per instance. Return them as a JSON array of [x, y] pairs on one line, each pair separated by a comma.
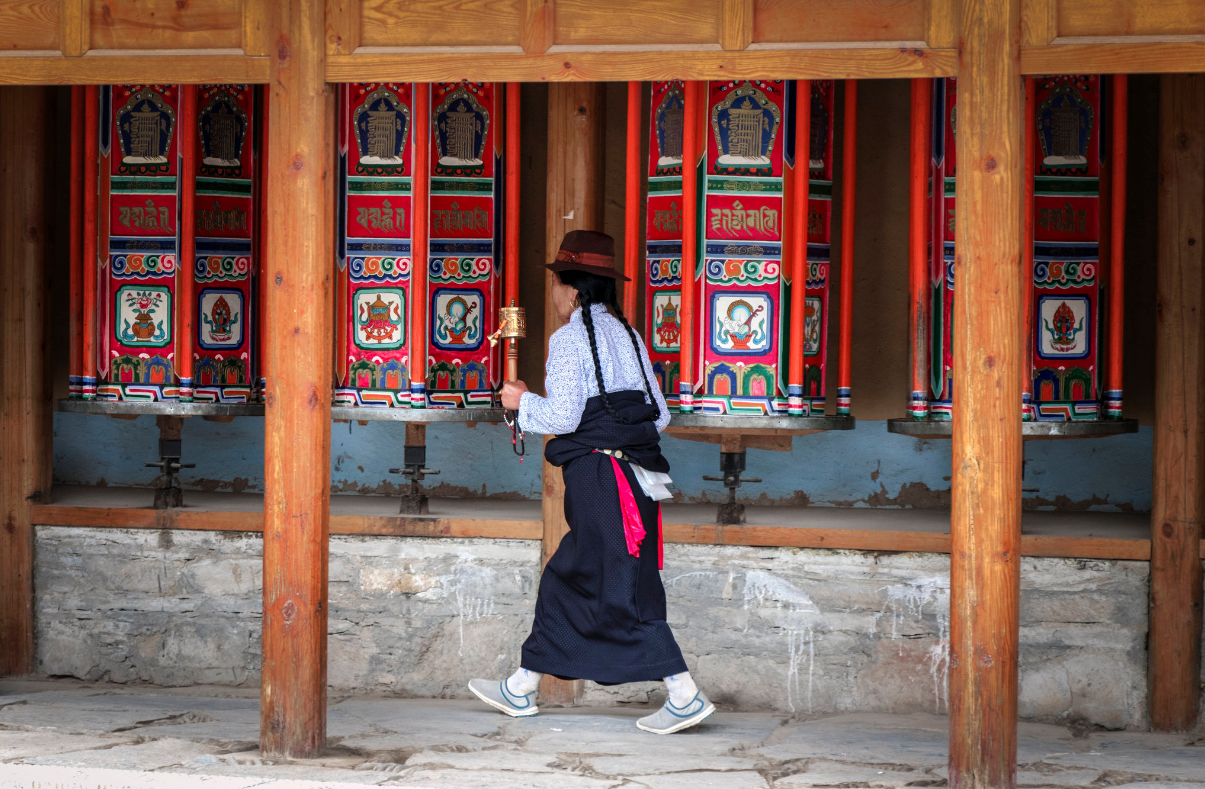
[[745, 198], [142, 164], [1066, 159], [375, 296]]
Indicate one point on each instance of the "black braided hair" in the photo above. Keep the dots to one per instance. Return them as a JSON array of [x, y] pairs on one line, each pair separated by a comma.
[[593, 289]]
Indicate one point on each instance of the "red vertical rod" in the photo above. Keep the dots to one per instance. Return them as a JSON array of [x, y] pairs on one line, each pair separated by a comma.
[[75, 357], [91, 154], [631, 223], [849, 178], [1028, 407], [185, 277], [690, 219], [799, 242], [511, 295], [420, 214], [918, 256], [1117, 227], [261, 235]]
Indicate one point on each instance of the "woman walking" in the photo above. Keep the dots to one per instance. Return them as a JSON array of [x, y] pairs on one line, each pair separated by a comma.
[[600, 610]]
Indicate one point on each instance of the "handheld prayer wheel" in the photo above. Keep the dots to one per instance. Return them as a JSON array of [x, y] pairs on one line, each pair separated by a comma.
[[512, 325]]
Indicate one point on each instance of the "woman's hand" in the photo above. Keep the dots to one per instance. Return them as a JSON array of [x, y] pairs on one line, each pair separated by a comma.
[[512, 392]]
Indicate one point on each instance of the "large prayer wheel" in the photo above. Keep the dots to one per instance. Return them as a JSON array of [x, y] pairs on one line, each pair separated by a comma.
[[175, 244], [1073, 301], [379, 288], [744, 149]]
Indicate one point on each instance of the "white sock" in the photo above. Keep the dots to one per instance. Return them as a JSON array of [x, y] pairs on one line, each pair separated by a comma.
[[523, 682], [682, 689]]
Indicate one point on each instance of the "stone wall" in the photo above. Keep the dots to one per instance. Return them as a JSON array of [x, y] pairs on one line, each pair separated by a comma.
[[802, 631]]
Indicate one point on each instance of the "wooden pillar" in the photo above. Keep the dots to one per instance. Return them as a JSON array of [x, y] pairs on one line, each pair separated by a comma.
[[1179, 435], [576, 113], [297, 427], [986, 488], [25, 428]]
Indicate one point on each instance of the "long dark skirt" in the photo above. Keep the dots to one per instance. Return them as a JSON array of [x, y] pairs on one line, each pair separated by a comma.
[[600, 612]]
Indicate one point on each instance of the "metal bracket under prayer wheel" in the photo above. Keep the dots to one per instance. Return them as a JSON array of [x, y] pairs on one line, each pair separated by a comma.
[[732, 465], [414, 502], [169, 495]]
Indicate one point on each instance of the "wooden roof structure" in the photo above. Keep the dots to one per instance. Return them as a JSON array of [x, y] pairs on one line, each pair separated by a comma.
[[298, 47], [106, 41]]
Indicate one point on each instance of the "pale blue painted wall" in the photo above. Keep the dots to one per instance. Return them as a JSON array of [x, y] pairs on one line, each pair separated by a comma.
[[864, 467]]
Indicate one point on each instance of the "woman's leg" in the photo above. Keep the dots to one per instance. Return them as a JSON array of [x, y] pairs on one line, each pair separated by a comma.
[[682, 689], [523, 682]]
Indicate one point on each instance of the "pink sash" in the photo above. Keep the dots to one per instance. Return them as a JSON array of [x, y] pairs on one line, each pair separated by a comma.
[[633, 528]]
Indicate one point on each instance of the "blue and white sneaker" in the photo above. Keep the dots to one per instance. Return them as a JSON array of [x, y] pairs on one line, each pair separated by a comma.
[[496, 695], [670, 719]]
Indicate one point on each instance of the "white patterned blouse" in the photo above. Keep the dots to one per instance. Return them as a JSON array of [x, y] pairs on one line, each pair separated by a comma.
[[569, 374]]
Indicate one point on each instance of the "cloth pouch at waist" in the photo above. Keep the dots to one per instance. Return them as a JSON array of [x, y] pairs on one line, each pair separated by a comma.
[[653, 483]]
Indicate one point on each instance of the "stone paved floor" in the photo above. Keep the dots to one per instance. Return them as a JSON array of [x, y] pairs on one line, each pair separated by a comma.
[[70, 734]]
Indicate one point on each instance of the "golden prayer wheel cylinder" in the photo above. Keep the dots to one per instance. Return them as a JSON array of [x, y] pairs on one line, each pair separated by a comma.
[[512, 325]]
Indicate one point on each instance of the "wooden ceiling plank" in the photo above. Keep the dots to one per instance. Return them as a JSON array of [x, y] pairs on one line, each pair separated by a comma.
[[167, 24], [31, 24], [1129, 18]]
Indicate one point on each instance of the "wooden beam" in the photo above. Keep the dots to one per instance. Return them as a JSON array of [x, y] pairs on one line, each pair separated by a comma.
[[112, 66], [985, 518], [943, 24], [25, 407], [1179, 429], [342, 26], [624, 63], [75, 27], [1039, 22], [301, 163], [257, 28], [576, 115], [539, 26], [1115, 55], [736, 24], [1122, 549]]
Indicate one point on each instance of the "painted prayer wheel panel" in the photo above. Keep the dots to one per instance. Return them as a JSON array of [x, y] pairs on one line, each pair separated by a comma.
[[1069, 124], [374, 245], [745, 197], [941, 254], [1069, 227], [222, 266], [139, 231], [140, 236]]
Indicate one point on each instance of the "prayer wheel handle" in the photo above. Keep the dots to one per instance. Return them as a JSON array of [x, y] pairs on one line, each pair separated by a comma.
[[512, 326]]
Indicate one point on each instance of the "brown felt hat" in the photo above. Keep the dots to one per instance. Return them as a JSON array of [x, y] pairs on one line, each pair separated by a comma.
[[588, 251]]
